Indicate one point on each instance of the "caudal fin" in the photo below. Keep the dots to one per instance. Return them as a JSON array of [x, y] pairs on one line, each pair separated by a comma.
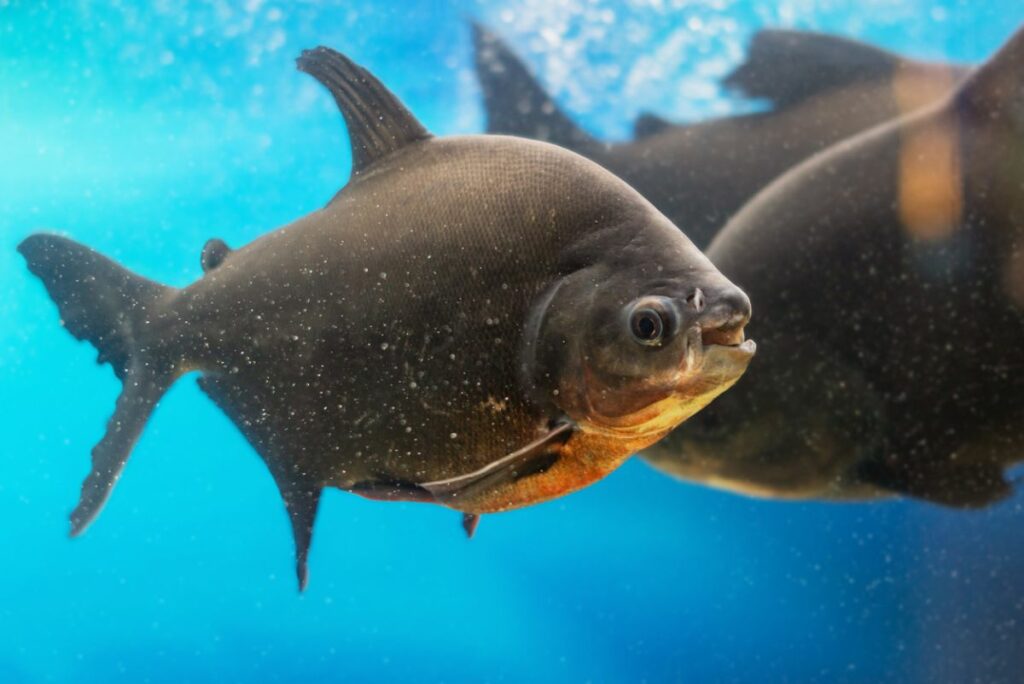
[[515, 102], [112, 308], [787, 67]]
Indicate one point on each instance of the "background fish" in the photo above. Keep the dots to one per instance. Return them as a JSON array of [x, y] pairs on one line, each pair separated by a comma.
[[889, 278], [822, 89], [482, 322]]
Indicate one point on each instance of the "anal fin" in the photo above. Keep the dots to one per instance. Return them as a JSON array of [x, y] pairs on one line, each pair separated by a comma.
[[243, 403]]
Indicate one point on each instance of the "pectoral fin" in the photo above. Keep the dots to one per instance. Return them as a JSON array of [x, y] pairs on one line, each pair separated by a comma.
[[392, 490], [535, 457]]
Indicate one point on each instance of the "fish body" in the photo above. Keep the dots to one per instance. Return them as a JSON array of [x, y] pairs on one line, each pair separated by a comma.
[[890, 286], [822, 89], [479, 322]]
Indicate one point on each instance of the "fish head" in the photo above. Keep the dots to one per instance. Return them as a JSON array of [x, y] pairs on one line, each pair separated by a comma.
[[642, 338]]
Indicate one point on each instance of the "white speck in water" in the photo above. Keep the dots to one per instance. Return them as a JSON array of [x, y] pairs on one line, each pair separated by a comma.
[[276, 41]]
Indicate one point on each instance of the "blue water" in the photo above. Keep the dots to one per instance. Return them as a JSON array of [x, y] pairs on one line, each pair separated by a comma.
[[142, 130]]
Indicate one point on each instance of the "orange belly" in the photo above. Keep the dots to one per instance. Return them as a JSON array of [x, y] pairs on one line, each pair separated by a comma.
[[583, 460]]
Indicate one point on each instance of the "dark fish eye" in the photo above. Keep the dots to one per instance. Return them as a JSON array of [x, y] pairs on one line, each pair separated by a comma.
[[647, 326], [652, 321]]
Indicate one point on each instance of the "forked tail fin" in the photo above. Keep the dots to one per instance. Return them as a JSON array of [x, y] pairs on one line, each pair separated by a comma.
[[114, 309]]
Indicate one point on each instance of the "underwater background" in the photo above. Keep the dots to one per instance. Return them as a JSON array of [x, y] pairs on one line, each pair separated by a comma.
[[142, 129]]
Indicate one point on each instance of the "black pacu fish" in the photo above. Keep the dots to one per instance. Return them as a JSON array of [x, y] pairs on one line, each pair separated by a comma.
[[481, 322], [889, 277], [822, 89]]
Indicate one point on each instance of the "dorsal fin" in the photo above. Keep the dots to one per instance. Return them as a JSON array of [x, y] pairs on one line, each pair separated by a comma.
[[378, 123], [515, 103], [214, 252], [648, 124], [787, 66], [995, 90]]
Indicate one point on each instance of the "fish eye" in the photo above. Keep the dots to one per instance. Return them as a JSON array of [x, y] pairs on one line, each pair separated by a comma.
[[651, 321]]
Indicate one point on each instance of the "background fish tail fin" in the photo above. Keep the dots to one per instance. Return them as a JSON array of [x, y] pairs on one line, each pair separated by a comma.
[[787, 67], [514, 102], [107, 305]]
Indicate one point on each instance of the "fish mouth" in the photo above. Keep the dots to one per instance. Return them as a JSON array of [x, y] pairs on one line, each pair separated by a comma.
[[710, 349], [719, 337], [711, 370], [717, 358], [743, 348], [733, 342]]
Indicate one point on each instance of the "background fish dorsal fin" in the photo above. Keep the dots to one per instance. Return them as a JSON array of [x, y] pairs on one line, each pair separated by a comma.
[[787, 67], [995, 90], [648, 124], [378, 123], [515, 103]]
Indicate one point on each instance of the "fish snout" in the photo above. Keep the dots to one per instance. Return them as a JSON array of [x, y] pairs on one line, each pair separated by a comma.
[[722, 313]]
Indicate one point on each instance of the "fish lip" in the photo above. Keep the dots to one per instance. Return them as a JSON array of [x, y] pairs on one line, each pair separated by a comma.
[[717, 337], [719, 344], [717, 364], [744, 348]]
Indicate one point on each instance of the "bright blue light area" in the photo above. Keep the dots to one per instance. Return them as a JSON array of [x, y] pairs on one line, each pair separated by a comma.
[[142, 131]]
